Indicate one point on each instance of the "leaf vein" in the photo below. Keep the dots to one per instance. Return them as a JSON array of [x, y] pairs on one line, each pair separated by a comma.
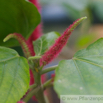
[[15, 74], [81, 59], [80, 75], [8, 59], [2, 75]]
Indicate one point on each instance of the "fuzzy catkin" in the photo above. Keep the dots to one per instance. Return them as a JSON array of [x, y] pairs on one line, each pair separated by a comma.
[[56, 48], [28, 51]]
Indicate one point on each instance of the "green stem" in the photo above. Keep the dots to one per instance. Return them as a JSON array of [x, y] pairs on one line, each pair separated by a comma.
[[48, 69], [39, 95], [47, 84], [33, 86], [30, 94], [41, 68], [37, 89], [34, 57]]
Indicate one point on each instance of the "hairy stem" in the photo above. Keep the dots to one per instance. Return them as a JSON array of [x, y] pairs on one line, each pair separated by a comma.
[[39, 95], [34, 57], [30, 94], [38, 92], [33, 86], [47, 84], [49, 69]]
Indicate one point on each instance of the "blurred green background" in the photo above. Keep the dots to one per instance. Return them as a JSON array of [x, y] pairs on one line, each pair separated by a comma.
[[57, 15]]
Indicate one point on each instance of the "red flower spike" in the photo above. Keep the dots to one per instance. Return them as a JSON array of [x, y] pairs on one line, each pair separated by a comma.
[[56, 48], [28, 51]]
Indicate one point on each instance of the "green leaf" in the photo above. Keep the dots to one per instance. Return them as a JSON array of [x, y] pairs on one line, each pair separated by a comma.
[[18, 16], [14, 76], [42, 44], [82, 75]]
